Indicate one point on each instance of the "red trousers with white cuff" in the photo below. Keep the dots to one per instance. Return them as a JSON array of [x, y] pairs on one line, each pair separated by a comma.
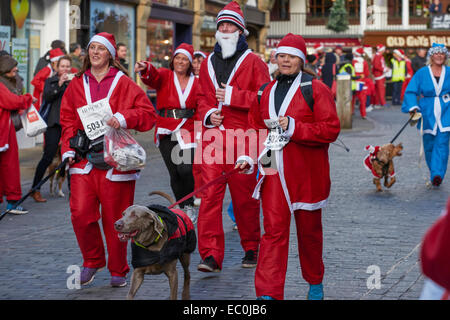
[[88, 191], [270, 274], [380, 91]]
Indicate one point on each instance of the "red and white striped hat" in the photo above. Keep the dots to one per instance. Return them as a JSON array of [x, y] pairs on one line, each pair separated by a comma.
[[107, 40], [56, 54], [294, 45], [232, 13], [186, 49]]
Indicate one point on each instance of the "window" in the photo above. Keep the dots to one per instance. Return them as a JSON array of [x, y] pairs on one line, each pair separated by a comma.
[[321, 8], [280, 11], [417, 8]]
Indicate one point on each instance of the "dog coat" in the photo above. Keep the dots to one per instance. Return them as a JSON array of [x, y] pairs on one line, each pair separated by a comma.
[[182, 239], [368, 160]]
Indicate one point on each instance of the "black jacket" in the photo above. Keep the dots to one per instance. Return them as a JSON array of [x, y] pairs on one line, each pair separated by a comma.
[[53, 94]]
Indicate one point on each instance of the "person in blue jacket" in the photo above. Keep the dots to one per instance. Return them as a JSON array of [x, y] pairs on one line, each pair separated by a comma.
[[429, 93]]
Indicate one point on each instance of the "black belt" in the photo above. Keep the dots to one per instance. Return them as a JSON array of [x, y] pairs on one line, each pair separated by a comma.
[[176, 113]]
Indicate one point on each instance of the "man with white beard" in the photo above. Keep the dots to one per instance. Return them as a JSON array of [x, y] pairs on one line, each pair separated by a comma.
[[229, 80]]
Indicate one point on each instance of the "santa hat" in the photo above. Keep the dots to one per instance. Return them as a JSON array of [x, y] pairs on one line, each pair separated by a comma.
[[294, 45], [372, 149], [359, 52], [186, 49], [438, 48], [399, 52], [56, 54], [201, 53], [232, 13], [318, 47], [380, 47], [107, 40]]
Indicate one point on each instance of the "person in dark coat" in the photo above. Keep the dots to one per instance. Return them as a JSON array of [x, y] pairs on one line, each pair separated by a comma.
[[53, 92], [328, 69]]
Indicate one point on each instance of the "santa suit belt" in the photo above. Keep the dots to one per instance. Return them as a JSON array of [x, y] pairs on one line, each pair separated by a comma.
[[176, 113], [380, 77]]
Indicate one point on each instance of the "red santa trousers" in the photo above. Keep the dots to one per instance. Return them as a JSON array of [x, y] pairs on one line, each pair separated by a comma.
[[211, 239], [270, 274], [404, 85], [88, 192], [380, 91], [362, 97], [10, 169]]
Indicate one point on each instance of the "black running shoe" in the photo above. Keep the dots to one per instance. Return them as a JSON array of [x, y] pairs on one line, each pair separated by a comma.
[[208, 265], [250, 259]]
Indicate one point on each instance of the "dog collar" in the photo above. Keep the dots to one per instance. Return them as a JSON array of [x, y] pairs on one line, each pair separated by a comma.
[[154, 242]]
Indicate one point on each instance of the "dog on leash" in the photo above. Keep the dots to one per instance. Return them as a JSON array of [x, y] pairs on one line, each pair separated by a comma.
[[380, 163], [60, 175], [160, 237]]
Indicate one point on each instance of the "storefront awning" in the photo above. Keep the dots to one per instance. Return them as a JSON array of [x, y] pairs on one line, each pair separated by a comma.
[[327, 42]]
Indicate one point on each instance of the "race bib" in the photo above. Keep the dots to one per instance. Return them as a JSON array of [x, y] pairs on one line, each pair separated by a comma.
[[276, 140], [94, 116]]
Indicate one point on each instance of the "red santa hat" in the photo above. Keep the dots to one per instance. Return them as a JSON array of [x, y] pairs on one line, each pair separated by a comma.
[[359, 52], [399, 52], [318, 47], [380, 47], [201, 53], [56, 54], [107, 40], [232, 13], [294, 45], [186, 49]]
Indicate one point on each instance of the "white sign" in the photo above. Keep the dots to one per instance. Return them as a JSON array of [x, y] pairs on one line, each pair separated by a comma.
[[20, 53], [5, 38]]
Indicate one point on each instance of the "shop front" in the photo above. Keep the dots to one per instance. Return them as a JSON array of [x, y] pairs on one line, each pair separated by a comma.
[[328, 43], [407, 39]]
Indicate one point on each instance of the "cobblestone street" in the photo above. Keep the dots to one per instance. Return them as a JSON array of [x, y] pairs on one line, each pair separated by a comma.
[[362, 228]]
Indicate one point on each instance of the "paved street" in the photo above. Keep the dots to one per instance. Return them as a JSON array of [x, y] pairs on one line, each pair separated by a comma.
[[362, 228]]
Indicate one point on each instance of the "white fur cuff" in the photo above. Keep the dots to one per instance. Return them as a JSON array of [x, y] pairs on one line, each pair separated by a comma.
[[250, 162]]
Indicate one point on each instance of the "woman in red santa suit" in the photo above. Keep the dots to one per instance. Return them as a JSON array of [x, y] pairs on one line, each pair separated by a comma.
[[409, 73], [100, 91], [297, 180], [362, 72], [176, 90], [378, 70], [39, 79]]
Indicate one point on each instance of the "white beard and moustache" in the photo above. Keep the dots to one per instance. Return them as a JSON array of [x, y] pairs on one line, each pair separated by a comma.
[[228, 43]]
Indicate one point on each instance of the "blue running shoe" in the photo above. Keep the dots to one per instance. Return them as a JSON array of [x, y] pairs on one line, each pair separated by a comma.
[[315, 292], [265, 298]]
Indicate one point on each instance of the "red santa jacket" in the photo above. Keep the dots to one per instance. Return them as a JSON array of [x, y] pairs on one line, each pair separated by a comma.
[[303, 167], [362, 70], [409, 69], [378, 66], [9, 102], [39, 81], [129, 104], [170, 96], [435, 252], [249, 74]]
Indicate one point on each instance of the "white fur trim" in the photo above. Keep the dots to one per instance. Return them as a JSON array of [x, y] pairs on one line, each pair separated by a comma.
[[185, 52], [291, 127], [292, 51], [309, 206], [84, 170], [104, 42], [121, 119], [68, 154], [122, 177], [250, 162], [4, 148], [228, 92], [207, 116]]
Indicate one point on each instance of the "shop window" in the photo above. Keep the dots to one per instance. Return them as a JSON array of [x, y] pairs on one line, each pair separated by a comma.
[[280, 11], [117, 19], [418, 11], [160, 42], [321, 8], [176, 3]]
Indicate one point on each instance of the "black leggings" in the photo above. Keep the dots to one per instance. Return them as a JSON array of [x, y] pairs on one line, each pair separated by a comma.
[[51, 141], [180, 168]]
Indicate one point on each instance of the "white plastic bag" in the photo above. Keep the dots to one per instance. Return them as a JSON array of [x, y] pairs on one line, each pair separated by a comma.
[[122, 151], [32, 122]]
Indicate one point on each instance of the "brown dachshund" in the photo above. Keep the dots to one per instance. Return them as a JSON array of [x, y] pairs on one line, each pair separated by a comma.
[[380, 163]]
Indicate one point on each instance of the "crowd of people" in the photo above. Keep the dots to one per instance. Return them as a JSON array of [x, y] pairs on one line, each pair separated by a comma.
[[230, 88]]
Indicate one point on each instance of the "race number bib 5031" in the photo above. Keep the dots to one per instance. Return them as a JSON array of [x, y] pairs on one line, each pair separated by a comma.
[[93, 118]]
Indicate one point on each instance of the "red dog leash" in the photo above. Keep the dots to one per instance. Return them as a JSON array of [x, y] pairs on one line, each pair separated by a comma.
[[216, 180]]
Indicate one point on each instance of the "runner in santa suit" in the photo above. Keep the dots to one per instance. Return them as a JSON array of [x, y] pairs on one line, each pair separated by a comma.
[[297, 179], [409, 73], [378, 70], [229, 80], [361, 71], [176, 90], [9, 151], [101, 85], [39, 79]]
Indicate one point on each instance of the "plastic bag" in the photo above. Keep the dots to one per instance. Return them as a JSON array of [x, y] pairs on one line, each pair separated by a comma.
[[32, 122], [122, 151]]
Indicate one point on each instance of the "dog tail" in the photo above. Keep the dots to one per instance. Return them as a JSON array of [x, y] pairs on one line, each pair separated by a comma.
[[164, 195]]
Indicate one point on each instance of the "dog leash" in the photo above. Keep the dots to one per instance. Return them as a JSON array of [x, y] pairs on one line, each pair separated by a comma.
[[403, 128], [37, 187], [216, 180]]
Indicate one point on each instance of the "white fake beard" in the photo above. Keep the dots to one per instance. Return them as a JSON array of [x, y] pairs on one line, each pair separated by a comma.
[[228, 43]]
